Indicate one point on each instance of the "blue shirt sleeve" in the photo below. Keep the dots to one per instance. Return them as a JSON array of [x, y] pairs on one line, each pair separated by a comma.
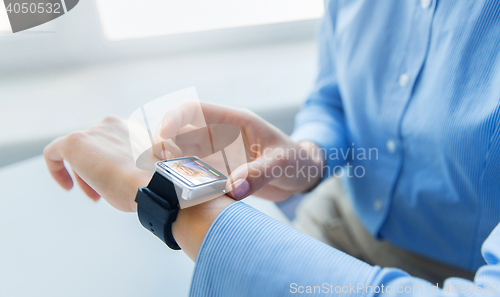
[[486, 281], [321, 118], [246, 253]]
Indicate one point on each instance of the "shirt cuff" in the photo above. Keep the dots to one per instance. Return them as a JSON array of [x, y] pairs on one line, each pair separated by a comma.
[[246, 253]]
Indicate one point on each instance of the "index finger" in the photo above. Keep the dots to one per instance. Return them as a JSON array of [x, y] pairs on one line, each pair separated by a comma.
[[187, 113], [198, 114]]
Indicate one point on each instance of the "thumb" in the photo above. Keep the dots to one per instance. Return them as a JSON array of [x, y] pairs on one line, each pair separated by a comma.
[[250, 177]]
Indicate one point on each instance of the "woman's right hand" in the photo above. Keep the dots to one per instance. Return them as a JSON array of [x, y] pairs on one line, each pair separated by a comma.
[[277, 166]]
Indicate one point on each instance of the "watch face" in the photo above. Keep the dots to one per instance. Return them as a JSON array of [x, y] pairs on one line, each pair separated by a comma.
[[192, 171]]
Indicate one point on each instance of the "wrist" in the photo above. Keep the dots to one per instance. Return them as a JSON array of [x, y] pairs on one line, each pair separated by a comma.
[[136, 181], [314, 161], [192, 223]]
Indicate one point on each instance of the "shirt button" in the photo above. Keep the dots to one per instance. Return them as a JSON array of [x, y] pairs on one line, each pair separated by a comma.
[[425, 3], [403, 80], [391, 146], [377, 204]]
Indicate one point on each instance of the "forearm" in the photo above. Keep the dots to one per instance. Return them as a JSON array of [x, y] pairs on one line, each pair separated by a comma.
[[247, 253]]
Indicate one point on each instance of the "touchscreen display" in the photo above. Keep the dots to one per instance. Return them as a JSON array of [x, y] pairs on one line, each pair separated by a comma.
[[193, 171]]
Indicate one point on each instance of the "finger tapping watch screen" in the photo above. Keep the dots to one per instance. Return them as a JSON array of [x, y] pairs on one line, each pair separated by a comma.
[[193, 171]]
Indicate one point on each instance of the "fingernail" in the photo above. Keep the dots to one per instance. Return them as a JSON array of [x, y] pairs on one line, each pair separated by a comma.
[[166, 155], [239, 189]]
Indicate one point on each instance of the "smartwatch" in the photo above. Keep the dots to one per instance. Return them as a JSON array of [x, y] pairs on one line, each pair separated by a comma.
[[176, 184]]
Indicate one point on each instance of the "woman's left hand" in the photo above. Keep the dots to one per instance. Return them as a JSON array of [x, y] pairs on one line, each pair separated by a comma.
[[102, 162]]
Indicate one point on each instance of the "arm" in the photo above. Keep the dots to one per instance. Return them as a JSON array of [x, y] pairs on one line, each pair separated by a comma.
[[486, 281], [239, 250], [246, 253], [103, 166], [321, 118]]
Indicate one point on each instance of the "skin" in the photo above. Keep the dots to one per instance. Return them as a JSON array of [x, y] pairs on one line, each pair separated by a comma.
[[264, 145], [102, 165]]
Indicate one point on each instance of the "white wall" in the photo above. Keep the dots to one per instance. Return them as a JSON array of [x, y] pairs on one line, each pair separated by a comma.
[[53, 83]]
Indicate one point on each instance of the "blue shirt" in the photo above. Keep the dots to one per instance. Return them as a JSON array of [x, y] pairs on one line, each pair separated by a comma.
[[420, 84], [416, 86], [246, 253]]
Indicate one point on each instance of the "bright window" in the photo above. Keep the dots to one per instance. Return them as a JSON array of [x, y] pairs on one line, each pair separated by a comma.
[[127, 19]]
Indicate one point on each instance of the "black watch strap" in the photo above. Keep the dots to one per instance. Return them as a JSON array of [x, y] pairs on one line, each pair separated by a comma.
[[157, 208]]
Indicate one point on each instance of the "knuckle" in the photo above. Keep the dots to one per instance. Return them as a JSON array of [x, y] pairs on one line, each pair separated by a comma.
[[75, 136], [246, 115], [189, 105], [280, 161], [249, 113], [46, 150], [243, 111], [192, 103], [111, 119]]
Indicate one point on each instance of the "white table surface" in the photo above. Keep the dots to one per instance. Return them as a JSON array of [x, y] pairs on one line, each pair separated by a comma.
[[56, 243]]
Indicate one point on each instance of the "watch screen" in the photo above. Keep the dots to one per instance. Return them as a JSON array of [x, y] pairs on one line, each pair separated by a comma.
[[193, 171]]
